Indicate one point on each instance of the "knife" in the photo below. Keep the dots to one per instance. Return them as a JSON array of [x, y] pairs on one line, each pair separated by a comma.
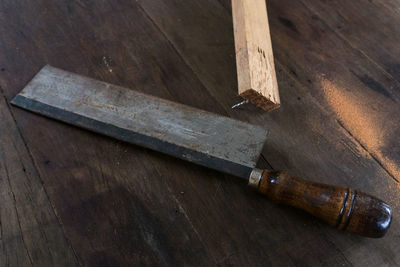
[[207, 139]]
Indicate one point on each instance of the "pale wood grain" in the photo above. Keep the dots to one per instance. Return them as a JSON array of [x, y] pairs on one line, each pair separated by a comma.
[[254, 56]]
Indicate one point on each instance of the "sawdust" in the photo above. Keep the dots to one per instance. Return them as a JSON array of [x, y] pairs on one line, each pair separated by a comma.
[[354, 112]]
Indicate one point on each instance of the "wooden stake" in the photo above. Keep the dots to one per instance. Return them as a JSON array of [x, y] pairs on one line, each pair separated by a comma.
[[254, 56]]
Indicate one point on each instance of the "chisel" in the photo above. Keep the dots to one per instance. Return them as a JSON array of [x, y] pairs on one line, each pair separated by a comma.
[[213, 141]]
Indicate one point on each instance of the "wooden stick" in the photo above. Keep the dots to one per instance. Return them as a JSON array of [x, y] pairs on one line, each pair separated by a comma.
[[254, 57]]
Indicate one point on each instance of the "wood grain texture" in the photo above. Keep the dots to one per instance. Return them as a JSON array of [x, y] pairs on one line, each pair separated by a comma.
[[123, 205], [30, 232], [343, 208], [307, 131], [347, 78], [254, 56]]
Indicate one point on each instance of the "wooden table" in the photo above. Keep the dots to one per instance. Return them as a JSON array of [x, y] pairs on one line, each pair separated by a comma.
[[70, 197]]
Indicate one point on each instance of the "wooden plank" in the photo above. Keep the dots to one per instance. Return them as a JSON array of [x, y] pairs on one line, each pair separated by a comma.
[[305, 137], [346, 80], [347, 21], [113, 200], [254, 56], [124, 205], [30, 233]]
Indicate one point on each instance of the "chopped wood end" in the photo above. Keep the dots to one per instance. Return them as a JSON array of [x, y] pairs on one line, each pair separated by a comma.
[[259, 100]]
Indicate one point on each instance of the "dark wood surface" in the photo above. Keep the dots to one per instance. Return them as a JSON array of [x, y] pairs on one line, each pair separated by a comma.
[[70, 197]]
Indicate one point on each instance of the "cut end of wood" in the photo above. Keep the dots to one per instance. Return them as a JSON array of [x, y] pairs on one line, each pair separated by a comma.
[[259, 100], [254, 56]]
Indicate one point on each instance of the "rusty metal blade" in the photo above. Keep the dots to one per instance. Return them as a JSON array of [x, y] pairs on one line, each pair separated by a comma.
[[191, 134]]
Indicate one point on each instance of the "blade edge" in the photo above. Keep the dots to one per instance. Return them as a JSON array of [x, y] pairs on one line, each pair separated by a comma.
[[132, 137]]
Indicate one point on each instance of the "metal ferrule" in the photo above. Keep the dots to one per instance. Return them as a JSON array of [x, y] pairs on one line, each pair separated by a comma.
[[255, 178]]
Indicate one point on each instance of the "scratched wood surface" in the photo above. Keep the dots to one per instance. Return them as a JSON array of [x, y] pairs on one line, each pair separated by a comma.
[[71, 197]]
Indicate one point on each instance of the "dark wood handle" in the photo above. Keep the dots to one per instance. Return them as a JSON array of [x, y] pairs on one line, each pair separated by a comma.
[[343, 208]]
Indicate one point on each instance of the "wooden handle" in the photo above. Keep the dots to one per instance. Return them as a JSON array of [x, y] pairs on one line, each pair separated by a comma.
[[343, 208]]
